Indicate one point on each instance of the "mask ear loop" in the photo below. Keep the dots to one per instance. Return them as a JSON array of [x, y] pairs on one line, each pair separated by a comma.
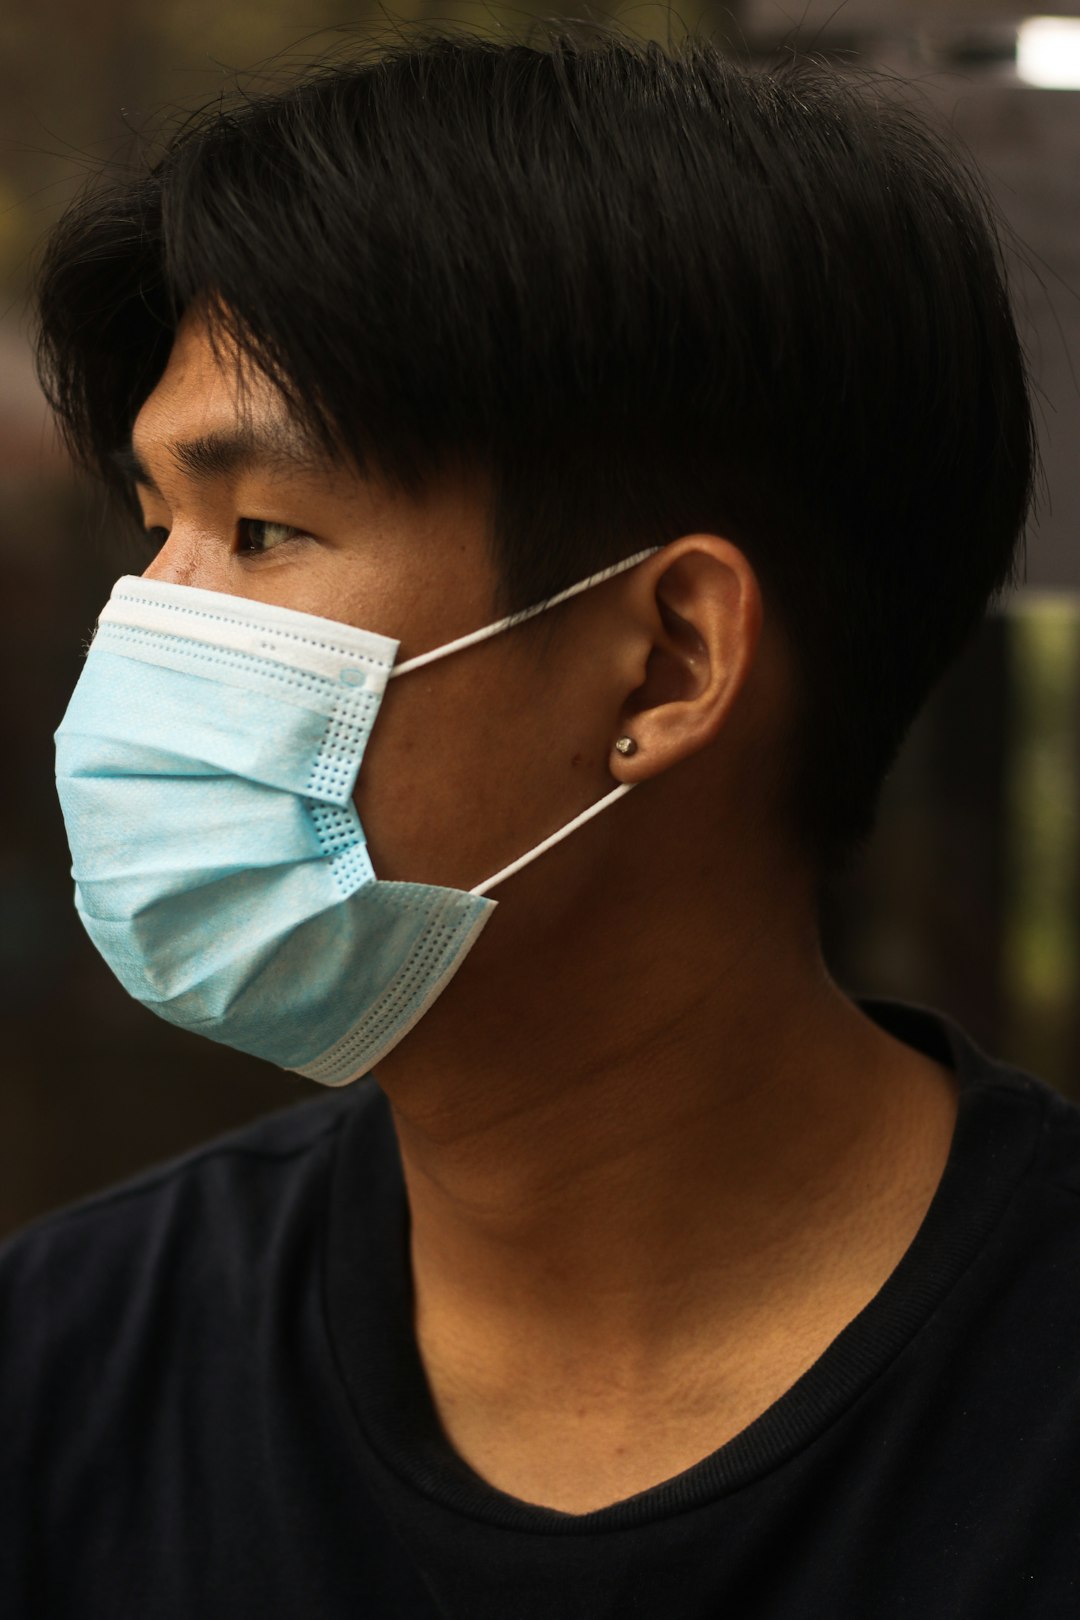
[[519, 618], [487, 630], [556, 838]]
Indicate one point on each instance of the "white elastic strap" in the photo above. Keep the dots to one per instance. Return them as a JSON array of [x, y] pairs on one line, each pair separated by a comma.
[[556, 838], [519, 618]]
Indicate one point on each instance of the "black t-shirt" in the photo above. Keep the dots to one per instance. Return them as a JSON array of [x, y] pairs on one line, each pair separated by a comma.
[[213, 1405]]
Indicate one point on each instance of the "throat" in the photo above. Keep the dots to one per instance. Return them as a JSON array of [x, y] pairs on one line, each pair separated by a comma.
[[630, 1346], [579, 1448], [574, 1465]]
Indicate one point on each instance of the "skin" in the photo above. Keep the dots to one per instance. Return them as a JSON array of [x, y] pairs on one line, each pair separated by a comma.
[[655, 1158]]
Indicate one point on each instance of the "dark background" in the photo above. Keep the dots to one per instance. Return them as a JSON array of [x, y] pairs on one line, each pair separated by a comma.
[[968, 899]]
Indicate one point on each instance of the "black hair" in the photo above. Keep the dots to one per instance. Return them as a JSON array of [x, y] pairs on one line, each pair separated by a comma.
[[650, 292]]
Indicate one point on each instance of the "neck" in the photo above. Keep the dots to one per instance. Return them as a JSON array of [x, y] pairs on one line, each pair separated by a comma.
[[618, 1182]]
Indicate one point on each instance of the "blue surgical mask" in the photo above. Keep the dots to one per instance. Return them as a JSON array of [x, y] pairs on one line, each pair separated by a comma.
[[206, 766]]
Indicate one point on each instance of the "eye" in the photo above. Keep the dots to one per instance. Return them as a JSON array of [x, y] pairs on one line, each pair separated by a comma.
[[259, 535], [156, 536]]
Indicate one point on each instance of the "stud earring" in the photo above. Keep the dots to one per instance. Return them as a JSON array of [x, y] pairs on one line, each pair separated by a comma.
[[625, 746]]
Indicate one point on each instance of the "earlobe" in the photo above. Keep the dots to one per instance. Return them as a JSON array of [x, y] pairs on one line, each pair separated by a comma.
[[706, 614]]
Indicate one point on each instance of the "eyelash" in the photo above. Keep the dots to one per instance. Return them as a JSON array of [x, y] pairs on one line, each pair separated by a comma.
[[266, 523], [243, 524]]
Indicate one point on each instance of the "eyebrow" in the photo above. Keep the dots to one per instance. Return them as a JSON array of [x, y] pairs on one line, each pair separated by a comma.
[[228, 451]]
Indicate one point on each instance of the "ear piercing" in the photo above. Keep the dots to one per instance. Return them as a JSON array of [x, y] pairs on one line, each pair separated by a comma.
[[625, 746]]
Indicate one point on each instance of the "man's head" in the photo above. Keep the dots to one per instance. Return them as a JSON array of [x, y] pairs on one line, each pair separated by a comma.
[[610, 298]]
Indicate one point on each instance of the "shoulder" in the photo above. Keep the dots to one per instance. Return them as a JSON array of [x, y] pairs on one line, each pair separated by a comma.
[[1007, 1111], [217, 1167], [1012, 1204], [143, 1324], [211, 1222], [1058, 1156], [1021, 1105]]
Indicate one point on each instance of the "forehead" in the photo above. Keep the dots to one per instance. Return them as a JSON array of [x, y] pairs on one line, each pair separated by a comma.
[[213, 413], [206, 373]]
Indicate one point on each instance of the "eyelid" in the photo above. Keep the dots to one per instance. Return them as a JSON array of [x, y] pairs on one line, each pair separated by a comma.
[[147, 505], [294, 532]]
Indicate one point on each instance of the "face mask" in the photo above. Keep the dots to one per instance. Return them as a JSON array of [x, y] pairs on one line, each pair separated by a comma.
[[205, 768]]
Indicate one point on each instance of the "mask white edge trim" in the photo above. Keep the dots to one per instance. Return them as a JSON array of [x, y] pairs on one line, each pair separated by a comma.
[[322, 646], [414, 1018]]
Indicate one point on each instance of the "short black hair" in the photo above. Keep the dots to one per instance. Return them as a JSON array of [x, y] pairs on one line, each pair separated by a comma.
[[650, 291]]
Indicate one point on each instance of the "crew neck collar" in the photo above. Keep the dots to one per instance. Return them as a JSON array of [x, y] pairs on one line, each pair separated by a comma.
[[368, 1292]]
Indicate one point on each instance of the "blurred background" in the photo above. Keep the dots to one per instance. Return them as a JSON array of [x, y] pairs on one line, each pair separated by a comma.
[[968, 899]]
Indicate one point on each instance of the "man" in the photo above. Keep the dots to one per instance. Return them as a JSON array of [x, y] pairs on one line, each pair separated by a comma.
[[648, 1273]]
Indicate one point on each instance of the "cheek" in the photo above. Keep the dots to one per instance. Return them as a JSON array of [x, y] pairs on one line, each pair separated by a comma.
[[406, 791], [469, 767]]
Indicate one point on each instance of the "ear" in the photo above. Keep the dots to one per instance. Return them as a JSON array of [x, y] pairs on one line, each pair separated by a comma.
[[701, 603]]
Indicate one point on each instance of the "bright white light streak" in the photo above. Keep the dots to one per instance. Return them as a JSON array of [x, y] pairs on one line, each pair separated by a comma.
[[1048, 52]]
